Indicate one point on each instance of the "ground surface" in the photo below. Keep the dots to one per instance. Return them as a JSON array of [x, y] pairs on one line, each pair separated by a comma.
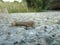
[[46, 31]]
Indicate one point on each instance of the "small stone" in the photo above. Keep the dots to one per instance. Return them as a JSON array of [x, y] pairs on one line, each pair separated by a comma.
[[15, 42]]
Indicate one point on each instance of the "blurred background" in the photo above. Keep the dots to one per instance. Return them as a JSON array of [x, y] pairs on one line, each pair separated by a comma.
[[17, 6]]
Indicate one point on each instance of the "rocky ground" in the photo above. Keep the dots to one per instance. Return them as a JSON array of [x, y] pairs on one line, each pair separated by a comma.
[[46, 31]]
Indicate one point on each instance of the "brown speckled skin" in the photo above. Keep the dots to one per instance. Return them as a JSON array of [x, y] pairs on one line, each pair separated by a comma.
[[26, 24]]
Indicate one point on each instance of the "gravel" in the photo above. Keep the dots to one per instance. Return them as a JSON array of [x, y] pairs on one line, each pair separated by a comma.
[[46, 31]]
